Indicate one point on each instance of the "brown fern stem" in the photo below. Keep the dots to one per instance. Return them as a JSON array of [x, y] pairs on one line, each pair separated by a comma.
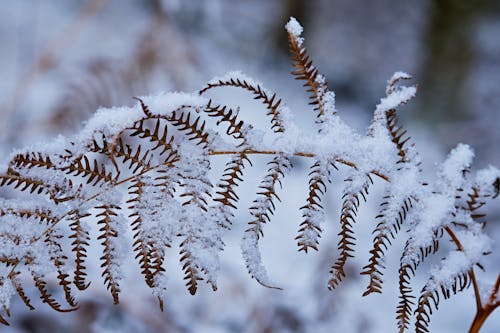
[[483, 313]]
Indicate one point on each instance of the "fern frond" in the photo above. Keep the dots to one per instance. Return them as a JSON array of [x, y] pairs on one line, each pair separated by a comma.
[[149, 250], [226, 196], [24, 179], [225, 114], [196, 190], [81, 239], [410, 260], [31, 160], [46, 296], [316, 84], [108, 233], [20, 291], [384, 233], [347, 238], [137, 161], [159, 136], [430, 299], [191, 272], [58, 260], [313, 211], [14, 178], [261, 210], [43, 214], [192, 129], [399, 136], [92, 171], [272, 102]]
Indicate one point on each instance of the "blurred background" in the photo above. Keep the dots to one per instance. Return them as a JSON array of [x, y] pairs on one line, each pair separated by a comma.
[[61, 60]]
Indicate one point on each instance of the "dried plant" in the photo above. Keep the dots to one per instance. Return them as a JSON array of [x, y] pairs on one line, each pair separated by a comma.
[[145, 168]]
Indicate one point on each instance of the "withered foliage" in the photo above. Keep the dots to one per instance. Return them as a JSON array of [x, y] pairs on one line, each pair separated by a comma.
[[146, 162]]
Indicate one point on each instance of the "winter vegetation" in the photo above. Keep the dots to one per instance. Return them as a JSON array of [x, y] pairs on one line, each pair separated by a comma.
[[140, 180]]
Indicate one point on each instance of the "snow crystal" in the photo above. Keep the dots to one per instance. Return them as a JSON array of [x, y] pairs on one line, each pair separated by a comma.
[[395, 78], [455, 263], [164, 103], [110, 121], [7, 289], [486, 180], [432, 211], [452, 169], [252, 256], [459, 262], [294, 28], [394, 99]]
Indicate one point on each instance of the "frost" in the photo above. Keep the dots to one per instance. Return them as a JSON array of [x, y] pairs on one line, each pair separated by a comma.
[[294, 28], [164, 103], [7, 289], [252, 256], [459, 262], [394, 99], [488, 180], [452, 170]]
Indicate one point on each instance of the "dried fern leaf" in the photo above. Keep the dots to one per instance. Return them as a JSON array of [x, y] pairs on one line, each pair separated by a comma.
[[409, 262], [430, 299], [81, 239], [272, 102], [43, 214], [150, 239], [384, 233], [227, 115], [347, 219], [14, 178], [261, 210], [109, 232], [199, 248], [159, 136], [32, 160], [58, 260], [192, 128], [46, 296], [92, 171], [312, 211], [20, 291], [399, 136], [225, 195], [320, 97]]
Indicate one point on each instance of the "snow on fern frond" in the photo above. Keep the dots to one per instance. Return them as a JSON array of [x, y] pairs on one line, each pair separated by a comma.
[[488, 181], [294, 28], [277, 110], [395, 98], [395, 78], [452, 170], [262, 210], [460, 261]]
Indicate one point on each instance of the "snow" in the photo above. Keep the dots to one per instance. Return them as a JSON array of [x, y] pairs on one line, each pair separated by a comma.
[[485, 180], [452, 170], [294, 28], [459, 262]]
